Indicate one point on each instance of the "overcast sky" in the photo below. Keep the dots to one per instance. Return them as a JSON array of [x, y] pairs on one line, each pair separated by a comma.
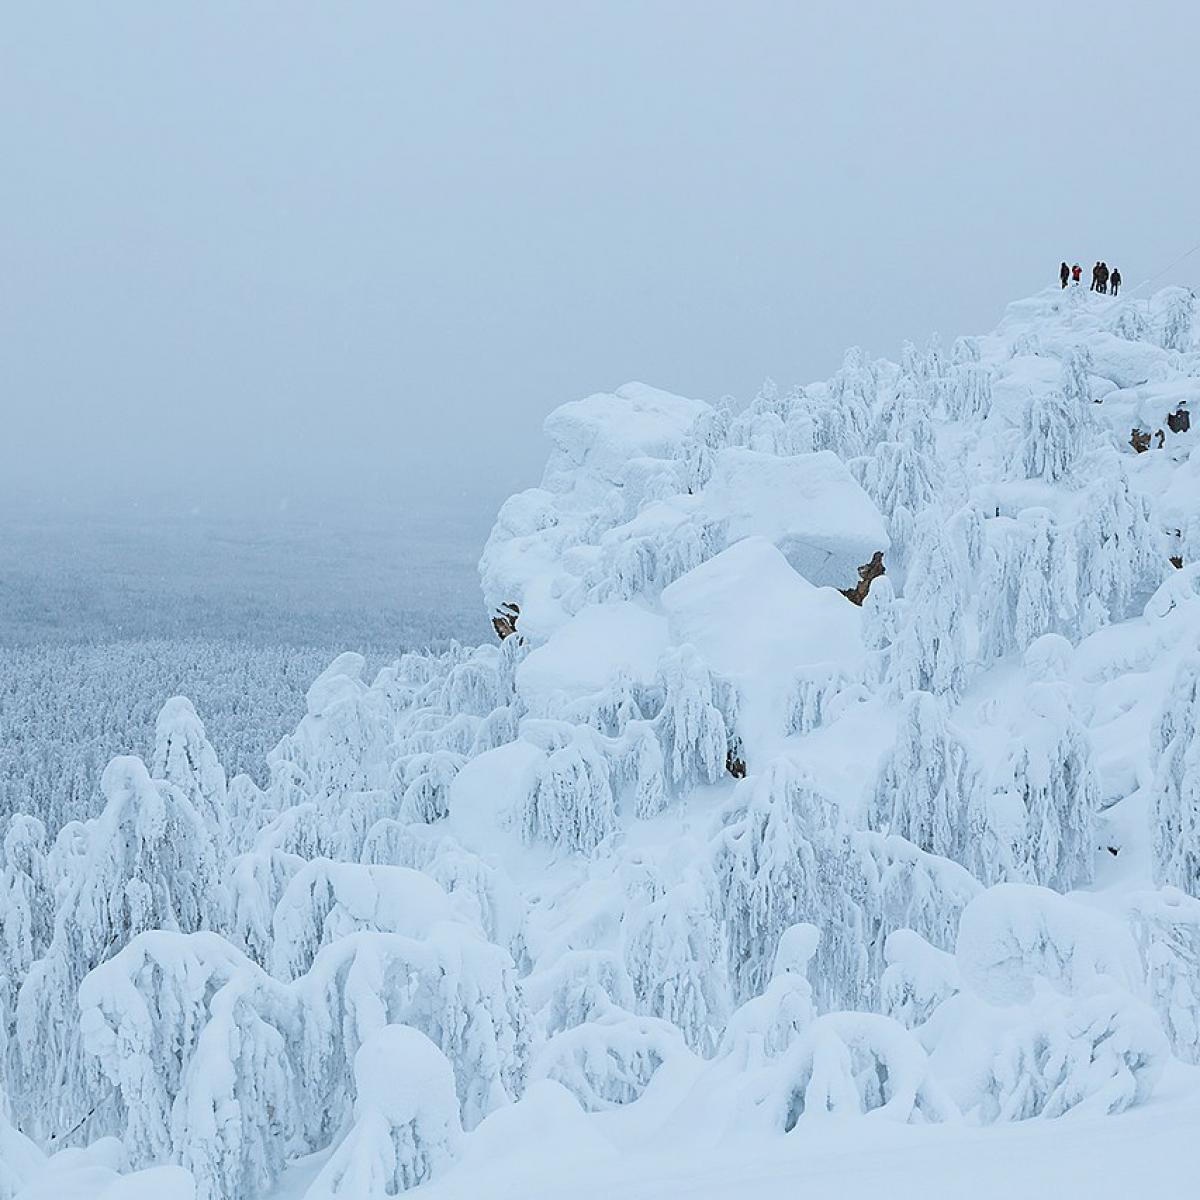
[[358, 250]]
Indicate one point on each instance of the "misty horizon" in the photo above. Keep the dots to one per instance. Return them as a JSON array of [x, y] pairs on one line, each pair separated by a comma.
[[284, 256]]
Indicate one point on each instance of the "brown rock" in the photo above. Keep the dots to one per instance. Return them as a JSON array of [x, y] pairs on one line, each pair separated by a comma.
[[866, 575], [505, 620], [1139, 439]]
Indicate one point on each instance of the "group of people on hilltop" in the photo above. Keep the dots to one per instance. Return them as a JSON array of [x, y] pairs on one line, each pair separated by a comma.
[[1102, 277]]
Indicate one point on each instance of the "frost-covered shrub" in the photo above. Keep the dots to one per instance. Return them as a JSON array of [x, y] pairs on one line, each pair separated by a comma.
[[610, 1061], [1175, 748], [1096, 1054], [849, 1064], [406, 1128], [1166, 926]]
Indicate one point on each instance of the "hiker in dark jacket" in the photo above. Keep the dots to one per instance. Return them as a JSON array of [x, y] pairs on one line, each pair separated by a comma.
[[1103, 278], [1064, 273], [1095, 277], [1115, 280]]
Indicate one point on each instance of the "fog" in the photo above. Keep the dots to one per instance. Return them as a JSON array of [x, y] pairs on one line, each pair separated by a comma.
[[350, 255]]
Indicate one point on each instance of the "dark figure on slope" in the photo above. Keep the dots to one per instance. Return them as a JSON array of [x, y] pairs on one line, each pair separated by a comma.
[[1064, 273], [1115, 280], [1095, 277], [1103, 278]]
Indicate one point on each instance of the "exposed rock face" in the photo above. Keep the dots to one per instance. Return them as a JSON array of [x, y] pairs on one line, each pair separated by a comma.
[[1139, 439], [735, 760], [1180, 421], [866, 575], [505, 620]]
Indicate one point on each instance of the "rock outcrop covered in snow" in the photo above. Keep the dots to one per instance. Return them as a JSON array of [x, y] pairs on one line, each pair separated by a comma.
[[837, 755]]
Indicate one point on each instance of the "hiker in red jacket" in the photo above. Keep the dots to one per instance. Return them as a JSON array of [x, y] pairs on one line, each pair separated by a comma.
[[1076, 272]]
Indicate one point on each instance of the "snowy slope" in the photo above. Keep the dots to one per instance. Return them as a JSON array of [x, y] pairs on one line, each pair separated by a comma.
[[706, 880]]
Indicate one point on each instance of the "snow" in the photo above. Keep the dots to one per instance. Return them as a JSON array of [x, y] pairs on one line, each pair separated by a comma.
[[590, 651], [809, 505], [704, 880]]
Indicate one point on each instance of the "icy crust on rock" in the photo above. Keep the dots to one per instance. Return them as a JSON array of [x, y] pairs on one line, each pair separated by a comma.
[[728, 835]]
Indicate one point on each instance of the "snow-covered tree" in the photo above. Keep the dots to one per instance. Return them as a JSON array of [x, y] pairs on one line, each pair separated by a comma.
[[1051, 770], [183, 756], [930, 649], [1166, 925], [767, 1025], [27, 900], [925, 787], [1177, 306], [609, 1061], [918, 978], [1051, 437], [1075, 380], [1030, 584], [851, 1063], [570, 802], [406, 1128], [1117, 547], [969, 392], [1175, 750], [423, 784], [150, 864], [674, 953], [1130, 323], [696, 722], [766, 868], [1094, 1054]]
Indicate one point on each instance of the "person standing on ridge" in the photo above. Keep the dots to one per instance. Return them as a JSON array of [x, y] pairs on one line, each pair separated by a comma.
[[1115, 280], [1076, 273], [1064, 273], [1095, 277], [1104, 278]]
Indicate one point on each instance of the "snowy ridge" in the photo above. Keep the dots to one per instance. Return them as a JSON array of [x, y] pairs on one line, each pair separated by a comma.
[[726, 834]]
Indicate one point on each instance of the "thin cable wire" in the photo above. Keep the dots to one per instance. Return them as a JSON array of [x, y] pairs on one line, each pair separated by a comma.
[[1168, 267]]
